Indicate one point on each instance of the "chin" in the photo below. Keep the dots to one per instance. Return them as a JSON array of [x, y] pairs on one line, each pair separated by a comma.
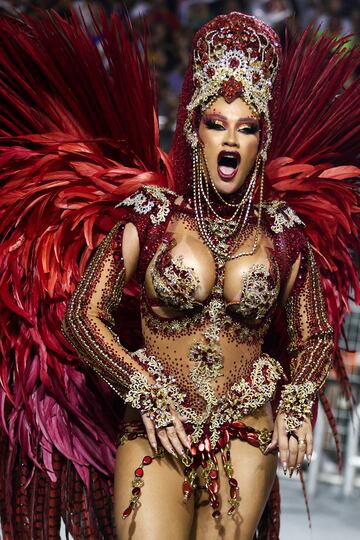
[[226, 187]]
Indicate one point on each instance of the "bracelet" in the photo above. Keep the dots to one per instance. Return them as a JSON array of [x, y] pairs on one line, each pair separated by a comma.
[[296, 403], [153, 398]]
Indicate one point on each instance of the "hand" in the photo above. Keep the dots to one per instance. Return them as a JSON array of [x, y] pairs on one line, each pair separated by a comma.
[[173, 438], [292, 448]]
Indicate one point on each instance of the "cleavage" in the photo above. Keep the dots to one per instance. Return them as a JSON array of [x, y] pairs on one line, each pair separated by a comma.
[[182, 275]]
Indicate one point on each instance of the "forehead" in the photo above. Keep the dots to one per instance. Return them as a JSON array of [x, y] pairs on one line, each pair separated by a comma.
[[236, 109]]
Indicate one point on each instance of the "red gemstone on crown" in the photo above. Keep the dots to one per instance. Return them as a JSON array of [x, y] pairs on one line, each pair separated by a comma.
[[231, 89]]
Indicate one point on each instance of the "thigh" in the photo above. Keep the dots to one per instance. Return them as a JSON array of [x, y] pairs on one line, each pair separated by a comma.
[[255, 474], [162, 514]]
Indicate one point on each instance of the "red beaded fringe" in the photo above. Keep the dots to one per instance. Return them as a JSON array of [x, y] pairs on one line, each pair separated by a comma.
[[200, 455]]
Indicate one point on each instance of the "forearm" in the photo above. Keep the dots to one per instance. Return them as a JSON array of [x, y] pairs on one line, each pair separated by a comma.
[[89, 324], [311, 345]]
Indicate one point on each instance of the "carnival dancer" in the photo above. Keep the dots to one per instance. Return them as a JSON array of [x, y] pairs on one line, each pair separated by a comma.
[[221, 256]]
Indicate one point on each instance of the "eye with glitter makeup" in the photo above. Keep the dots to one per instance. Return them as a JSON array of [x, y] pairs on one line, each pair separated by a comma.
[[214, 124], [249, 129]]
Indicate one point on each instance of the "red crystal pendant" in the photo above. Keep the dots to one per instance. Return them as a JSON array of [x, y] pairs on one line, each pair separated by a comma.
[[127, 512]]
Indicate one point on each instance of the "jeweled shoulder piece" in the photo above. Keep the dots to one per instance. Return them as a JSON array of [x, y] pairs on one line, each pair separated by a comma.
[[152, 200], [282, 216], [238, 55]]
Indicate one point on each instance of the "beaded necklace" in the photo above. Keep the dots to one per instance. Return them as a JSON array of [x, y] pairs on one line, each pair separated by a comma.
[[217, 231]]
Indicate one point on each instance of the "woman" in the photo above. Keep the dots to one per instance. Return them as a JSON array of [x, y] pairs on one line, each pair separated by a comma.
[[225, 270], [209, 264]]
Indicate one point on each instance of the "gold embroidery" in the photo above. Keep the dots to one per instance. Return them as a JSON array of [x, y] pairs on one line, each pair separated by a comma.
[[257, 295], [143, 204], [175, 283], [282, 215], [244, 397], [311, 345], [296, 402], [153, 398]]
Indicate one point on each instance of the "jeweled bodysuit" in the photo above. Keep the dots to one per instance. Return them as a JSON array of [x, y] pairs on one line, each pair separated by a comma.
[[204, 321]]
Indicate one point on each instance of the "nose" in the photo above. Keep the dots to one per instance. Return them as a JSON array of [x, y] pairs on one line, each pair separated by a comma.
[[230, 139]]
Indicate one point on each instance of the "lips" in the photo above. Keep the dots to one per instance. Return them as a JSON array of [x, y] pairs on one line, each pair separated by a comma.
[[228, 164]]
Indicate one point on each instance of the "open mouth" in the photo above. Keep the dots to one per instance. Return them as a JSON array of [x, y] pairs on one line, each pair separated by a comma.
[[228, 164]]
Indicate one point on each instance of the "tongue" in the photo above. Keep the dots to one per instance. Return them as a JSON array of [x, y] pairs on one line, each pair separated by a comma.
[[225, 170]]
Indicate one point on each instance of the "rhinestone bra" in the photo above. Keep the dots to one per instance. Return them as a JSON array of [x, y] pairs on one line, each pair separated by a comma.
[[176, 284]]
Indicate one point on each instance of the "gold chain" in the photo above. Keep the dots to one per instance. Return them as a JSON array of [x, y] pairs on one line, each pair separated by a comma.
[[221, 249]]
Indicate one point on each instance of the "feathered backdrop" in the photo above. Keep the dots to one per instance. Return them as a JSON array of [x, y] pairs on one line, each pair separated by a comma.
[[79, 132]]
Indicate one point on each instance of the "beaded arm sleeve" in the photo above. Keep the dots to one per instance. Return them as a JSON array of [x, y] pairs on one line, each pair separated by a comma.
[[89, 326], [311, 342]]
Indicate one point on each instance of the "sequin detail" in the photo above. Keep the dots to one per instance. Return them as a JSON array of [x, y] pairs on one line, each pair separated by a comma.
[[89, 323], [143, 204], [283, 217], [311, 344], [236, 56], [244, 397], [174, 282]]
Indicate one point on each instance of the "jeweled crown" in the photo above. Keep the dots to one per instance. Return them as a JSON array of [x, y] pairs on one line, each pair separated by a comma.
[[235, 55]]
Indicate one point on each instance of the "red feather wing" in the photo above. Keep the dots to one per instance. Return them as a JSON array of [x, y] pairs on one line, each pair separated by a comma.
[[79, 133]]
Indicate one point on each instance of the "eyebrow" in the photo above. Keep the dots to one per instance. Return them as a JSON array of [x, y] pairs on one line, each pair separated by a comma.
[[223, 118]]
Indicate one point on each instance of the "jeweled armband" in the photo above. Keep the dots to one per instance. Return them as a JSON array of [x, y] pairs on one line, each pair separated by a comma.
[[296, 402], [155, 398]]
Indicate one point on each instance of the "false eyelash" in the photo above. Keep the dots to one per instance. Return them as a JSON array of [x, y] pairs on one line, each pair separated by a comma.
[[251, 129], [248, 129], [210, 124]]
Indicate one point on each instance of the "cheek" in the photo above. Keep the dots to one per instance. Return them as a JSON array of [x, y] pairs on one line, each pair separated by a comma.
[[209, 140], [250, 149]]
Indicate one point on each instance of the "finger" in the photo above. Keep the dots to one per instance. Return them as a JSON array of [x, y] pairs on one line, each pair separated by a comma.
[[284, 450], [174, 439], [274, 441], [162, 435], [181, 433], [301, 449], [150, 431], [309, 447], [293, 453]]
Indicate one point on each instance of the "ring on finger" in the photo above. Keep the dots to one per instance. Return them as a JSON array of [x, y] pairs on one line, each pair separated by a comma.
[[301, 441]]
